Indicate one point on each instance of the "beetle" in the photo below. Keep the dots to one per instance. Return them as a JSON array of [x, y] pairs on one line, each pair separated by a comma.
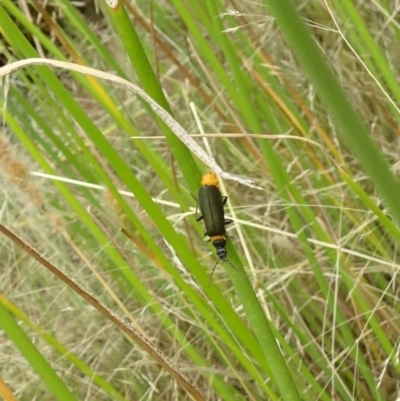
[[211, 204]]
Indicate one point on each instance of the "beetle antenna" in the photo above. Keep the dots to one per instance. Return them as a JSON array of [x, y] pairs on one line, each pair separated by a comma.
[[215, 266], [226, 260], [229, 262], [212, 272]]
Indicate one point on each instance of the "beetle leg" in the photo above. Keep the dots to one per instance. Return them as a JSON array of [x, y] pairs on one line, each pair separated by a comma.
[[197, 208], [228, 221], [224, 199]]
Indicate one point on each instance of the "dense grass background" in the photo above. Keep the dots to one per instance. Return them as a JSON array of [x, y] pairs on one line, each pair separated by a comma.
[[313, 93]]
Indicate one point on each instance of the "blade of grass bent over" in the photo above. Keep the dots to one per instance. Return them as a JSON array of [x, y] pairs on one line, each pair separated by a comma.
[[175, 127]]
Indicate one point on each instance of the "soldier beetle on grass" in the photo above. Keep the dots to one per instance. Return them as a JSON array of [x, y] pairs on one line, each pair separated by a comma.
[[211, 204]]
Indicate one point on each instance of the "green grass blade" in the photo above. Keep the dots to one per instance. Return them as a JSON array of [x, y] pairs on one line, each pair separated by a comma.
[[357, 135], [15, 333]]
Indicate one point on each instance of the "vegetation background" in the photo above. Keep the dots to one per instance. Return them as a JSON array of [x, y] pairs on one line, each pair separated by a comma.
[[311, 92]]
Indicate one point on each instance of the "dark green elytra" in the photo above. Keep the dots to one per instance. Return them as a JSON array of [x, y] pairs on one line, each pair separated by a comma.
[[211, 204]]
